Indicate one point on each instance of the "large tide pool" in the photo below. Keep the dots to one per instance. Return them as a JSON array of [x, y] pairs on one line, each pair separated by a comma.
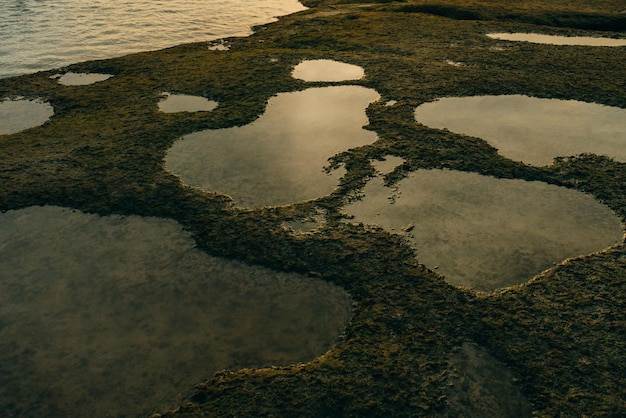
[[121, 316], [530, 129], [281, 157], [487, 233]]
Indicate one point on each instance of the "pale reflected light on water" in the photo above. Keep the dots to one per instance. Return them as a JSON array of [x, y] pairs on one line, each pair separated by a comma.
[[39, 35], [80, 79], [279, 158], [17, 115], [530, 129], [487, 233], [174, 103], [327, 70], [120, 316], [558, 40]]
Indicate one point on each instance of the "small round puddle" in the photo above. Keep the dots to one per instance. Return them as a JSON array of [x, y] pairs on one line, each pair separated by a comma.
[[82, 79], [117, 316], [531, 129], [558, 40], [173, 103], [19, 114], [487, 233], [279, 158], [327, 70]]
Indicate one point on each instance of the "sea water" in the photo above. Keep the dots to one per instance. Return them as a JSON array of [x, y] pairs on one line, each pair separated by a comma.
[[40, 35]]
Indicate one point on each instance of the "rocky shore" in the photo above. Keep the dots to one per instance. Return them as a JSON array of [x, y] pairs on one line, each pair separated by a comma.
[[561, 336]]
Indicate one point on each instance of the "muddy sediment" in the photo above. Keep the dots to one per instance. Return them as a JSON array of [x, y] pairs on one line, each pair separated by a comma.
[[562, 335]]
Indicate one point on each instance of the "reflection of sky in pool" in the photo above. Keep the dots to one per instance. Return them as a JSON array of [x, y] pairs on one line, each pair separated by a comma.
[[279, 158], [327, 70], [488, 233], [17, 115], [530, 129], [81, 79], [558, 40], [117, 316], [172, 103]]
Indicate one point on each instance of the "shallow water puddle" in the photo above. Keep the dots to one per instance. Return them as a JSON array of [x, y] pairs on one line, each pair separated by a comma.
[[19, 114], [558, 40], [173, 103], [327, 70], [482, 386], [530, 129], [487, 233], [116, 316], [81, 79], [279, 158]]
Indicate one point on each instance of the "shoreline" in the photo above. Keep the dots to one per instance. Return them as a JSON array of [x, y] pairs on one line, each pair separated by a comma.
[[49, 41]]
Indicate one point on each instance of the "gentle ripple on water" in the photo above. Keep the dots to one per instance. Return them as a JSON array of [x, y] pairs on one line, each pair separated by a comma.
[[38, 35]]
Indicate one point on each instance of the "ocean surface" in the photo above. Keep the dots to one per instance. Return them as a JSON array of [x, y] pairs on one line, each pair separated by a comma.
[[45, 34]]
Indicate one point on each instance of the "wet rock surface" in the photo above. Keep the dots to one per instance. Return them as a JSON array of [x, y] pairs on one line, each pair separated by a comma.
[[481, 386]]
